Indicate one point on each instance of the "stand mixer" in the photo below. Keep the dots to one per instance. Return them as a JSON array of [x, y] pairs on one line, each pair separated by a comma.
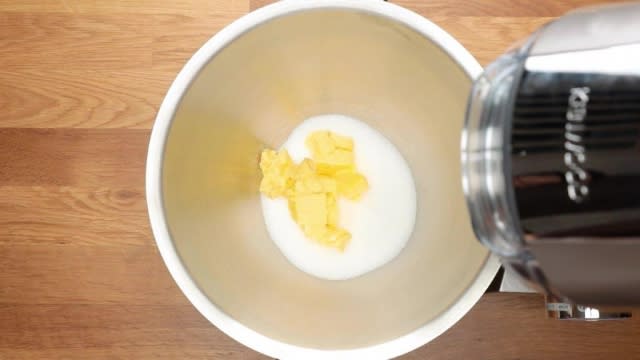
[[551, 161]]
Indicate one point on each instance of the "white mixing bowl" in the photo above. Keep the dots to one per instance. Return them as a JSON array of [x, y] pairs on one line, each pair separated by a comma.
[[245, 90]]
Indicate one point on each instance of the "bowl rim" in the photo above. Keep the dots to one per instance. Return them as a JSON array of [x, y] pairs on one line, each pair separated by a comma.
[[153, 180]]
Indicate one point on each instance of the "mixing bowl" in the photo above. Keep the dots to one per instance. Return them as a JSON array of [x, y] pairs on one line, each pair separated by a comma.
[[245, 90]]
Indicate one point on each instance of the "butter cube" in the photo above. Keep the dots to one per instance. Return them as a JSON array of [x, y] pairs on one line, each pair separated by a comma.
[[319, 143], [342, 142], [337, 238], [351, 184], [336, 161], [277, 173], [311, 209]]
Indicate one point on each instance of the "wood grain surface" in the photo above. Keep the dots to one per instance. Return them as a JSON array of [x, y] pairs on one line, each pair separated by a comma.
[[80, 276]]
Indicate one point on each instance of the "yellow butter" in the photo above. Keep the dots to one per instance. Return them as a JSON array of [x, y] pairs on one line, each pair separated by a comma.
[[330, 152], [312, 187], [277, 173], [351, 184], [311, 209]]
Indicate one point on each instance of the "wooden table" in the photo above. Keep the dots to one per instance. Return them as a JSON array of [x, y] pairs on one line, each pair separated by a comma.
[[80, 276]]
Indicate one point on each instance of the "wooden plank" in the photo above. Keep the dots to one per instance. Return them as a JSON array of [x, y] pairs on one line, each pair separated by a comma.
[[53, 216], [98, 316], [74, 274], [94, 42], [185, 7], [113, 158], [39, 98], [57, 41], [157, 351]]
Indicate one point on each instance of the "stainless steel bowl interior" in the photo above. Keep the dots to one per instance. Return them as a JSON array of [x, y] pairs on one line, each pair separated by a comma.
[[250, 96]]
